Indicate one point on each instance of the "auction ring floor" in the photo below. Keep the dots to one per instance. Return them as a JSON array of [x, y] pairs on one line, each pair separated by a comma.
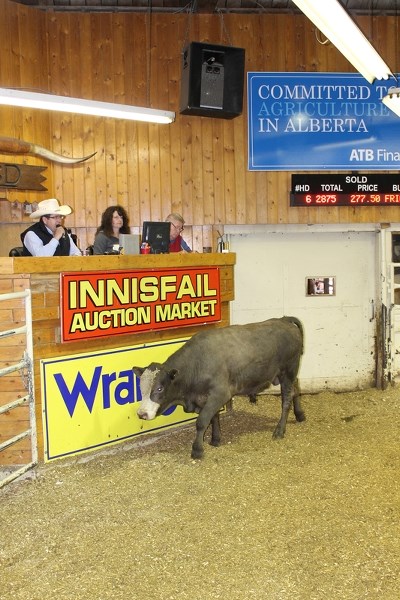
[[314, 516]]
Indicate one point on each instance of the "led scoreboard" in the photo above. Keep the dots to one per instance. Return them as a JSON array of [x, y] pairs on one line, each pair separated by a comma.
[[345, 190]]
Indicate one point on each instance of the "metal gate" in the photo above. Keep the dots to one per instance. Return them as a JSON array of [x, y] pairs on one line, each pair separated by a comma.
[[25, 367], [390, 295]]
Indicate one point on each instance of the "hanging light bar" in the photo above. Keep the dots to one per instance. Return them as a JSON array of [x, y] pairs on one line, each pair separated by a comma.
[[392, 100], [11, 97], [335, 23]]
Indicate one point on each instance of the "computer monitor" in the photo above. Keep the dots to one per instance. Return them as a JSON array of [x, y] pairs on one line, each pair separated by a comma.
[[156, 234]]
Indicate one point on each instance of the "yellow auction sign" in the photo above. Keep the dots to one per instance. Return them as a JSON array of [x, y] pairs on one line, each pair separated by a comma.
[[90, 400], [95, 304]]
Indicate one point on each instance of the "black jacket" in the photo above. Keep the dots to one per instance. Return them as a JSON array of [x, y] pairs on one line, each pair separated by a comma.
[[39, 228]]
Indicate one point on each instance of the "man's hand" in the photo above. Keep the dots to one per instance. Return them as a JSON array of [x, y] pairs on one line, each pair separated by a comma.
[[59, 232]]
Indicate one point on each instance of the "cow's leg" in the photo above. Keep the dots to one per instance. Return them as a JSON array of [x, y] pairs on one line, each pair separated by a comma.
[[286, 395], [208, 414], [298, 411], [215, 431], [202, 422]]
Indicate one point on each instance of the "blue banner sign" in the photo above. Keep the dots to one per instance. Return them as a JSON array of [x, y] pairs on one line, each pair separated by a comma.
[[318, 121]]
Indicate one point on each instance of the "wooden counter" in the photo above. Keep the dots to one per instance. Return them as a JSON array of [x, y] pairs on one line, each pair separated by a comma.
[[42, 277]]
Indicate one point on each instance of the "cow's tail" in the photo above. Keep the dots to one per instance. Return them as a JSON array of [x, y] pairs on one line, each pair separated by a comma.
[[298, 324]]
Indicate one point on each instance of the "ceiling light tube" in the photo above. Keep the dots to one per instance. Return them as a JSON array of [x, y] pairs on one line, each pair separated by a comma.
[[335, 23], [392, 100], [11, 97]]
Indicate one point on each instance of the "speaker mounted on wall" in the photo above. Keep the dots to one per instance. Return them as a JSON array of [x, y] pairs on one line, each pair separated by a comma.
[[212, 81]]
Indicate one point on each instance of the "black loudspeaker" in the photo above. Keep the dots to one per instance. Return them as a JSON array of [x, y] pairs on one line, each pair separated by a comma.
[[212, 81]]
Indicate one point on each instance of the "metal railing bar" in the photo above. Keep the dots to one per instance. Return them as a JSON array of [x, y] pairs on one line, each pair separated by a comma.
[[13, 368], [13, 331], [16, 474], [15, 439], [29, 359], [15, 295], [13, 404]]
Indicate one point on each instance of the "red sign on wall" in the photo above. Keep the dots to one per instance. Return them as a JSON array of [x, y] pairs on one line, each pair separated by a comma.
[[97, 304]]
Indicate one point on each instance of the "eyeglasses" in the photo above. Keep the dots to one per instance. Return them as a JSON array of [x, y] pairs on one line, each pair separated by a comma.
[[53, 216], [179, 229]]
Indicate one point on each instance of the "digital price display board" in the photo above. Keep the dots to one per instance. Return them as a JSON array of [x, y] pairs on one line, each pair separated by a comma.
[[345, 190]]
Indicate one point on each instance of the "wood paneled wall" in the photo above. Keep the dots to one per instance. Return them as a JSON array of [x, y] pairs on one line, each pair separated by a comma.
[[196, 166]]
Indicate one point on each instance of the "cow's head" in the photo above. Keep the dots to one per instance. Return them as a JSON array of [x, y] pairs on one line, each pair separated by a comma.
[[155, 381]]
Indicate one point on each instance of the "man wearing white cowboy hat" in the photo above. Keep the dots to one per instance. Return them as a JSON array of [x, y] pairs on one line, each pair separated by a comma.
[[48, 237]]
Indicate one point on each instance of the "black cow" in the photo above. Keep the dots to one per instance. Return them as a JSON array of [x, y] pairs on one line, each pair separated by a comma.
[[217, 364]]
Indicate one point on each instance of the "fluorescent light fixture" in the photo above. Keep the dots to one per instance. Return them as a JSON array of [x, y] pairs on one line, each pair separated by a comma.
[[335, 23], [79, 106], [392, 100]]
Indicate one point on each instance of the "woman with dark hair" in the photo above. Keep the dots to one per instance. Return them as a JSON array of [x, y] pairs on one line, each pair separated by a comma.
[[114, 221]]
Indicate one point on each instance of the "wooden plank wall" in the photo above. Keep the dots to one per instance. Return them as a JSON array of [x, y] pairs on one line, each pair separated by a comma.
[[197, 165], [23, 63]]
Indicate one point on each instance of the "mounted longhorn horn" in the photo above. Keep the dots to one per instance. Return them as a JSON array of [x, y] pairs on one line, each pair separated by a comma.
[[14, 146]]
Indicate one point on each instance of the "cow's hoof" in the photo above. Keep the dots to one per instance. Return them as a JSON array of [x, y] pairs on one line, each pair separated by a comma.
[[197, 454], [278, 435], [300, 417], [215, 443]]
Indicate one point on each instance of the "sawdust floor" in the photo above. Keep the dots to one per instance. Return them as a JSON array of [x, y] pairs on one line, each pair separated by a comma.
[[313, 516]]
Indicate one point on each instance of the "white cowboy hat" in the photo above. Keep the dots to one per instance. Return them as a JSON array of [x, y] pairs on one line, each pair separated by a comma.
[[51, 207]]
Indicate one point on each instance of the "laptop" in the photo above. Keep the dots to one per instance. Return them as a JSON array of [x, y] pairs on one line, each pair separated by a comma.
[[130, 242]]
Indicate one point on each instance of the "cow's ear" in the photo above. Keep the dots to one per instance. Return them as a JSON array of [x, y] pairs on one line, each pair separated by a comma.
[[138, 371], [173, 373]]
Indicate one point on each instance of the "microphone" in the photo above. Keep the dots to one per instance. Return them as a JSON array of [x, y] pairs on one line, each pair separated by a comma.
[[63, 235]]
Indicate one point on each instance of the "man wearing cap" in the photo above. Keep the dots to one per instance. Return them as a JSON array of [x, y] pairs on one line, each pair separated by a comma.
[[48, 237]]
